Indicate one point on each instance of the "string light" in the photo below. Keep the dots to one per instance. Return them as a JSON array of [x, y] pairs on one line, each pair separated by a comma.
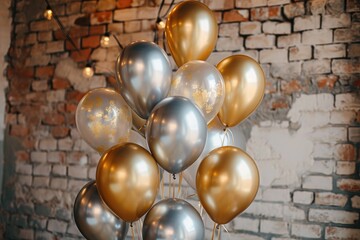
[[48, 14], [105, 40], [88, 71]]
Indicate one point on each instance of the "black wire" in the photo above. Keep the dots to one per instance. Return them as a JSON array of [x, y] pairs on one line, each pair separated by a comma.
[[118, 42], [172, 2], [62, 26]]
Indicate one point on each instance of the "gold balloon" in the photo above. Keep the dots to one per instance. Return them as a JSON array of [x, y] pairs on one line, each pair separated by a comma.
[[127, 178], [244, 88], [227, 182], [191, 32]]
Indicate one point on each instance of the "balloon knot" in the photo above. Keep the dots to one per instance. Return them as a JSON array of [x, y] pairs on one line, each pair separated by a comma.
[[174, 177], [217, 226], [131, 225]]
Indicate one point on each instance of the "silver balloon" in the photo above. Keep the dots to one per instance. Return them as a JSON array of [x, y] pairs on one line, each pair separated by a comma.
[[176, 133], [143, 71], [173, 219], [217, 137], [94, 220]]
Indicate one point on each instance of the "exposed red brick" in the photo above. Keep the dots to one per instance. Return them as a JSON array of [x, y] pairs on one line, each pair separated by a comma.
[[236, 16], [11, 118], [81, 56], [70, 45], [59, 35], [22, 155], [91, 42], [54, 119], [291, 86], [275, 12], [77, 32], [60, 131], [60, 107], [28, 142], [70, 119], [14, 96], [123, 3], [279, 104], [27, 72], [259, 14], [326, 81], [36, 97], [69, 107], [350, 185], [345, 152], [60, 83], [101, 17], [97, 30], [74, 96], [19, 130], [45, 71], [21, 85]]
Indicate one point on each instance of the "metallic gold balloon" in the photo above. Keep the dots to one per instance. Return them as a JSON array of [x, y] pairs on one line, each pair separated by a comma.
[[143, 71], [191, 32], [203, 84], [93, 218], [173, 219], [176, 133], [244, 88], [216, 137], [227, 182], [127, 178], [103, 119]]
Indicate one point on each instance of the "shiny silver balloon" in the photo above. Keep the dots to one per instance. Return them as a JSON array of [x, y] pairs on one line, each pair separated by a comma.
[[143, 71], [176, 133], [217, 136], [173, 219], [94, 220]]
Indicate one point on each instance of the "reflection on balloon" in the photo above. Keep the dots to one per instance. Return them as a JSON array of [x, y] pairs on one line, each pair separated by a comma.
[[191, 32], [94, 220], [128, 177], [244, 88], [173, 219], [103, 119], [176, 133], [202, 83], [216, 137], [227, 182], [144, 72]]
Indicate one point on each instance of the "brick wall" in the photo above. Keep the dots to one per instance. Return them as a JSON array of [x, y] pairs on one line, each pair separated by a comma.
[[305, 136]]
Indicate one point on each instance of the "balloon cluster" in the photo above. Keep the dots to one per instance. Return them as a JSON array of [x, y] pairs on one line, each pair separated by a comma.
[[187, 120]]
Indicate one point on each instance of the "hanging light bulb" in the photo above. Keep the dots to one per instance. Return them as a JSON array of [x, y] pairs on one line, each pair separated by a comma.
[[48, 14], [105, 40], [160, 24], [88, 71]]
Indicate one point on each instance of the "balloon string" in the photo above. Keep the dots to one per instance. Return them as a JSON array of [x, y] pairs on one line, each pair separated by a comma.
[[191, 195], [170, 181], [139, 230], [219, 231], [225, 135], [180, 182], [232, 136], [228, 234], [162, 187], [213, 232], [132, 232], [173, 186]]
